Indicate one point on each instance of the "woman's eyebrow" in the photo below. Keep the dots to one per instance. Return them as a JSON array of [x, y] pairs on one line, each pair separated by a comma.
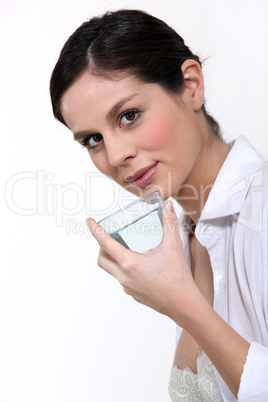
[[118, 106], [82, 134], [113, 112]]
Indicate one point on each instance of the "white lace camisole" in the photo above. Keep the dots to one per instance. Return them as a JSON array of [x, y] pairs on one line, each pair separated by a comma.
[[186, 386]]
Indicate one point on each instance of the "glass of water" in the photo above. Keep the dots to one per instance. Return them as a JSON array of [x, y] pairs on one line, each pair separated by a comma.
[[138, 226]]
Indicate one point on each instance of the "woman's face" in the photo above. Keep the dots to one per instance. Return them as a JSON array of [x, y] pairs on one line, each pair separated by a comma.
[[136, 133]]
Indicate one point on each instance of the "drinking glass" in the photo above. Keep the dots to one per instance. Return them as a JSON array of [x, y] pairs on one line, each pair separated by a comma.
[[138, 226]]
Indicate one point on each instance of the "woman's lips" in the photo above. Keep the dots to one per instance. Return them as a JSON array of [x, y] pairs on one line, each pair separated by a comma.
[[144, 176]]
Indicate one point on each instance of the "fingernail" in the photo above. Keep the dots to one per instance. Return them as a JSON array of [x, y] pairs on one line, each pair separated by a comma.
[[88, 223], [169, 206]]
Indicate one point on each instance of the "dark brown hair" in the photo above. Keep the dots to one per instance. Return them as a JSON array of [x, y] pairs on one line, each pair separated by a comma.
[[130, 41]]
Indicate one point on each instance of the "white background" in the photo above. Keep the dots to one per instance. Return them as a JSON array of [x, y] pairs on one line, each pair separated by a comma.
[[68, 332]]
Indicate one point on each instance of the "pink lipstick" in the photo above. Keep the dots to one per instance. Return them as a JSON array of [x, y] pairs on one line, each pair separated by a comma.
[[144, 176]]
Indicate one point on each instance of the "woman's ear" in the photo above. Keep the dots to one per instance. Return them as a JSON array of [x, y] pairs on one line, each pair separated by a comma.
[[194, 83]]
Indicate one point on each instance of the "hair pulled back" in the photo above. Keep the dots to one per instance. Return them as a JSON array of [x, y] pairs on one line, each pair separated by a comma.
[[124, 41]]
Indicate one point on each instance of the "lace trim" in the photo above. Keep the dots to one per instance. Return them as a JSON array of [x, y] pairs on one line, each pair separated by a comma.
[[186, 386]]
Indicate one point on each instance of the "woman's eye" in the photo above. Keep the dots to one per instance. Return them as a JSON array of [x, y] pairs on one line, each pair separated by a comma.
[[92, 141], [128, 117]]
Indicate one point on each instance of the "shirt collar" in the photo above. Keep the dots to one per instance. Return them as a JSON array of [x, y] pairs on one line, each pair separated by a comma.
[[233, 181]]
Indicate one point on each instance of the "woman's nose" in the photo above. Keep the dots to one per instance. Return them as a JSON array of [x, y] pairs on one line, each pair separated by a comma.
[[119, 150]]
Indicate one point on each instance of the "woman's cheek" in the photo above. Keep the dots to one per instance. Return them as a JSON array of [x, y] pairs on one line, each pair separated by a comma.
[[156, 133], [101, 163], [160, 134]]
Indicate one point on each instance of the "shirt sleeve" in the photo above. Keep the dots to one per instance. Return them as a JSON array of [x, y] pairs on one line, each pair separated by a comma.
[[254, 384]]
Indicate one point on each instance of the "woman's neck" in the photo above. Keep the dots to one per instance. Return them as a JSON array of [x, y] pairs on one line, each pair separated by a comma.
[[195, 191]]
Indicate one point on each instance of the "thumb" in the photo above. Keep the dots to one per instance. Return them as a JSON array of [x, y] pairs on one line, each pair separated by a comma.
[[170, 224]]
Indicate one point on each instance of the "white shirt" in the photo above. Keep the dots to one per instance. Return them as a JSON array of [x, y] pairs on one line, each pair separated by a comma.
[[234, 229]]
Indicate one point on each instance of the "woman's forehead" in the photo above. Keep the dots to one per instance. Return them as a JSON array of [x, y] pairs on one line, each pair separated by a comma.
[[94, 89], [98, 96]]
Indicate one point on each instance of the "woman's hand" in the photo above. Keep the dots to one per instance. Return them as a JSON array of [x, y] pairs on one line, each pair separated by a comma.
[[159, 278], [162, 280]]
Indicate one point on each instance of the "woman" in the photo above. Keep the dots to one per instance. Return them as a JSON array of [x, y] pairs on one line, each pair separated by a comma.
[[132, 93]]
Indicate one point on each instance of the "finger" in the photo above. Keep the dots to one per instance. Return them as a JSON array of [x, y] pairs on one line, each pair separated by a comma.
[[108, 264], [171, 233], [110, 245]]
